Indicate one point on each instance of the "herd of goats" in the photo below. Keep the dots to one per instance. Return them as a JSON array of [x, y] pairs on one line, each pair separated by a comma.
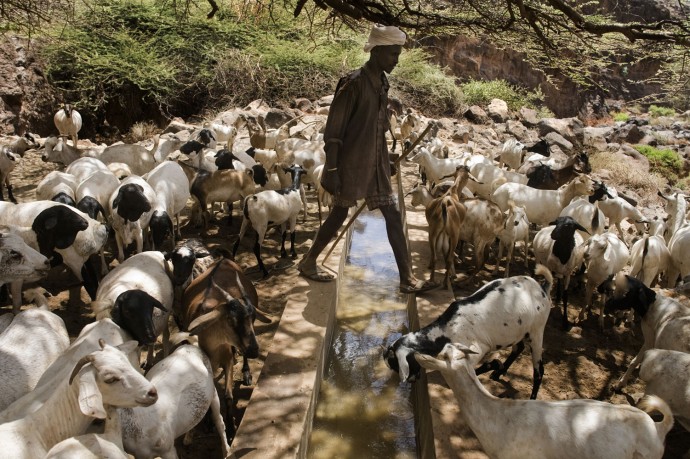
[[54, 388]]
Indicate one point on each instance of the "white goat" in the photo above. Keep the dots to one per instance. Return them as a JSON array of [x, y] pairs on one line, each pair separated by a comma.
[[667, 375], [10, 154], [679, 248], [93, 193], [18, 260], [490, 176], [542, 206], [68, 122], [515, 228], [649, 259], [436, 169], [82, 168], [665, 319], [34, 339], [676, 208], [569, 429], [586, 214], [130, 207], [617, 209], [503, 313], [604, 256], [186, 391], [171, 187], [101, 379], [559, 248], [511, 155], [57, 186], [139, 159], [269, 206]]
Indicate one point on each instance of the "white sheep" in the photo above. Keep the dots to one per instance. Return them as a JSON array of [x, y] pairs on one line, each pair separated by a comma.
[[270, 207], [171, 188], [604, 256], [649, 259], [186, 391], [542, 206], [515, 228], [503, 313], [34, 339], [559, 248], [667, 375], [665, 319], [68, 122], [101, 379], [568, 429]]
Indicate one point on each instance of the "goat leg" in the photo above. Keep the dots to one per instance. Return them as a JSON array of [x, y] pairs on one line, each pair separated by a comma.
[[283, 252], [246, 374], [514, 354], [257, 254], [10, 195]]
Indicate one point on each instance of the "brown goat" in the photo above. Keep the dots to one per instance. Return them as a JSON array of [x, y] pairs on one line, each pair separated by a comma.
[[220, 307]]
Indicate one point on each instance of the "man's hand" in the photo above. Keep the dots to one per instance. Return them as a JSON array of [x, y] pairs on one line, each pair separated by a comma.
[[330, 181]]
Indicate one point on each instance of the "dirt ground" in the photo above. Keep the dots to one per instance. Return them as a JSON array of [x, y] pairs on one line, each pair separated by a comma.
[[581, 363]]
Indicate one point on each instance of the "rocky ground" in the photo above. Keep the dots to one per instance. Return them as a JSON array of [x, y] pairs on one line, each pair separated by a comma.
[[581, 363]]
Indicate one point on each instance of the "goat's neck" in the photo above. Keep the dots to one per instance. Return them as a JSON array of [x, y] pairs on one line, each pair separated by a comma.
[[113, 426], [479, 408], [567, 194], [60, 416]]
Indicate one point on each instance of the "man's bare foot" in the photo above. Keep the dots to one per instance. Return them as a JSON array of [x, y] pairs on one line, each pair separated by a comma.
[[314, 273]]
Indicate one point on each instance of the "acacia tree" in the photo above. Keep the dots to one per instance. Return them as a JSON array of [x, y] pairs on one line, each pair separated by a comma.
[[575, 39]]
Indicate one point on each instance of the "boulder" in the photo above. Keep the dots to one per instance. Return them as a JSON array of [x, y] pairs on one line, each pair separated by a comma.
[[556, 139], [529, 117], [498, 110], [517, 130], [570, 129], [476, 115]]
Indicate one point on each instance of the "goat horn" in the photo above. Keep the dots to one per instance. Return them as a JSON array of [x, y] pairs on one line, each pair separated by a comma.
[[80, 364]]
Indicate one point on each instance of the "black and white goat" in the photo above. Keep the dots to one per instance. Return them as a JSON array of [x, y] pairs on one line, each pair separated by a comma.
[[559, 248], [273, 207], [503, 313], [171, 188]]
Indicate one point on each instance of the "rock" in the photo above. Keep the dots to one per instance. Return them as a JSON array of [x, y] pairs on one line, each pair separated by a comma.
[[517, 130], [595, 137], [178, 125], [303, 104], [570, 129], [276, 117], [498, 110], [325, 101], [529, 117], [461, 133], [556, 139], [476, 114]]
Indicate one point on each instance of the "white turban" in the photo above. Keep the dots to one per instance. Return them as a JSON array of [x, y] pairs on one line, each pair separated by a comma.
[[381, 35]]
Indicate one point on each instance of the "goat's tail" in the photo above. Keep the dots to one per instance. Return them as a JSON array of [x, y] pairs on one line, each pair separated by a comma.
[[542, 271], [651, 403], [245, 210]]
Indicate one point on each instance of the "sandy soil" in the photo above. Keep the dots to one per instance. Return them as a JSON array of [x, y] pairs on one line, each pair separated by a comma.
[[581, 363]]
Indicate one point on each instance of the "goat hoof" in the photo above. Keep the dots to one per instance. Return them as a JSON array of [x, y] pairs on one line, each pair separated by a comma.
[[247, 379]]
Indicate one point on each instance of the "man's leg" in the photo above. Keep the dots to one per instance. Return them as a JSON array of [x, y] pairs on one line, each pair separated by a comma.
[[330, 227]]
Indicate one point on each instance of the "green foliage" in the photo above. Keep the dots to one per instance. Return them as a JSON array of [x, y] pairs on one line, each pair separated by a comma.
[[481, 92], [657, 111], [663, 161], [620, 116]]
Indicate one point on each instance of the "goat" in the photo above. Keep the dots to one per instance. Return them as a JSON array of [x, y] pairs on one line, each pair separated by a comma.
[[676, 208], [261, 137], [604, 256], [82, 168], [665, 320], [570, 429], [220, 306], [678, 248], [667, 375], [488, 175], [59, 187], [63, 234], [511, 155], [483, 222], [9, 157], [57, 150], [103, 379], [649, 258], [93, 193], [31, 342], [515, 228], [18, 260], [559, 248], [184, 381], [130, 207], [68, 122], [140, 159], [616, 209], [544, 177], [224, 186], [275, 207], [435, 168], [171, 188], [542, 206], [503, 313], [586, 214]]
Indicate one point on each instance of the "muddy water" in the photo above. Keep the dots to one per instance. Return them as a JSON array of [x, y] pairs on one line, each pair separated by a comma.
[[363, 411]]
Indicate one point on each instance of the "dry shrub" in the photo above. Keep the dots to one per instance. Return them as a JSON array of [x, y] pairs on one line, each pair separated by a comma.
[[141, 131], [625, 176]]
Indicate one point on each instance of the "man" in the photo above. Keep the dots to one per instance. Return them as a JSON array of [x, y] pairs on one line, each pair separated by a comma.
[[357, 162]]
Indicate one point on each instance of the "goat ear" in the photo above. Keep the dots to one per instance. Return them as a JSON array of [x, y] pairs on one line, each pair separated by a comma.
[[128, 346], [429, 362], [202, 322], [403, 367], [90, 399]]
